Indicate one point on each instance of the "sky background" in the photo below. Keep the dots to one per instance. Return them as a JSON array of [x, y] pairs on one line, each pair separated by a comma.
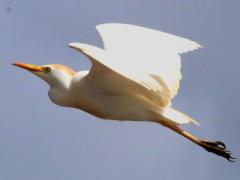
[[42, 141]]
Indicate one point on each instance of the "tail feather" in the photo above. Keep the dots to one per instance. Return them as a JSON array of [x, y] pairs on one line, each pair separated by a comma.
[[178, 117]]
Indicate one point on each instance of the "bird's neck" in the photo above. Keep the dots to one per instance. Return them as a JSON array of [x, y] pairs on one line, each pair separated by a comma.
[[67, 92], [59, 92], [59, 96]]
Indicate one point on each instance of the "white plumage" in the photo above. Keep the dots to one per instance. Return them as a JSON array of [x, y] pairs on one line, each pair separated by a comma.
[[134, 78], [147, 57]]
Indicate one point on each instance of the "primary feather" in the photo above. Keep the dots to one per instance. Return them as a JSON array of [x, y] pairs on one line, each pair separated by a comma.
[[155, 52], [147, 57]]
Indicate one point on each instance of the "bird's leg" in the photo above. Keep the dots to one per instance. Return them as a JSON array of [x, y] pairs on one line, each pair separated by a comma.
[[216, 147]]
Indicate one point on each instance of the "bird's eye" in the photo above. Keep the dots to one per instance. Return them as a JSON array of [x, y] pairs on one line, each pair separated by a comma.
[[48, 69]]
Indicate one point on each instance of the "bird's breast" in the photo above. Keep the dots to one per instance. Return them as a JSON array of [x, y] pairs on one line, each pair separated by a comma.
[[115, 106], [108, 100], [59, 97]]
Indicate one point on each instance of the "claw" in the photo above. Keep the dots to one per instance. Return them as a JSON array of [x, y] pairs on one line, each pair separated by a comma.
[[221, 143], [218, 148], [231, 159]]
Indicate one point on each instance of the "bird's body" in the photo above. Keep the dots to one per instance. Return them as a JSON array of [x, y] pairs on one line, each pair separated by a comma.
[[102, 99], [133, 78]]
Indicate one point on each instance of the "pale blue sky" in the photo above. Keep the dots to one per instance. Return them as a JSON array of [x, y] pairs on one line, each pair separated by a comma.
[[41, 141]]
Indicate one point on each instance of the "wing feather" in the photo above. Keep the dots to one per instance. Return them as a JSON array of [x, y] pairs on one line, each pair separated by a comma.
[[152, 90], [146, 51], [144, 56]]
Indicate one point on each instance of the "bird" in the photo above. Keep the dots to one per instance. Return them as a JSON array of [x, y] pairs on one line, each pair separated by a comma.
[[134, 77]]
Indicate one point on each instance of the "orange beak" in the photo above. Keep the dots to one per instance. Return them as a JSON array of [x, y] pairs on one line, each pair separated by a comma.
[[29, 67]]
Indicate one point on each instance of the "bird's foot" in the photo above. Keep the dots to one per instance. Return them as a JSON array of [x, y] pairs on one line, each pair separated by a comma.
[[217, 147]]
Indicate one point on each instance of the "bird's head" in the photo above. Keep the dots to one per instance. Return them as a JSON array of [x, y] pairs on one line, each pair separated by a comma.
[[56, 75]]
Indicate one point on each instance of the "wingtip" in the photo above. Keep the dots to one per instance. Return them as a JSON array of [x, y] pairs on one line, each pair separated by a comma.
[[72, 45], [195, 46], [199, 46], [76, 46], [104, 24], [98, 27]]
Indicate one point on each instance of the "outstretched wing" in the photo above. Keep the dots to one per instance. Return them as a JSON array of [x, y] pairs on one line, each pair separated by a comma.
[[145, 56], [108, 74], [147, 51]]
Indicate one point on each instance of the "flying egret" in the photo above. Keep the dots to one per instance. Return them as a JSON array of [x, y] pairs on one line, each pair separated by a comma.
[[134, 78]]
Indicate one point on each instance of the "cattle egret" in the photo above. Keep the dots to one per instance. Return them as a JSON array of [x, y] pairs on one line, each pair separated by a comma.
[[134, 78]]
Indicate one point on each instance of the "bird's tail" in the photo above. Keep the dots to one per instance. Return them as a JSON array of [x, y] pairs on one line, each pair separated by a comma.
[[178, 117]]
